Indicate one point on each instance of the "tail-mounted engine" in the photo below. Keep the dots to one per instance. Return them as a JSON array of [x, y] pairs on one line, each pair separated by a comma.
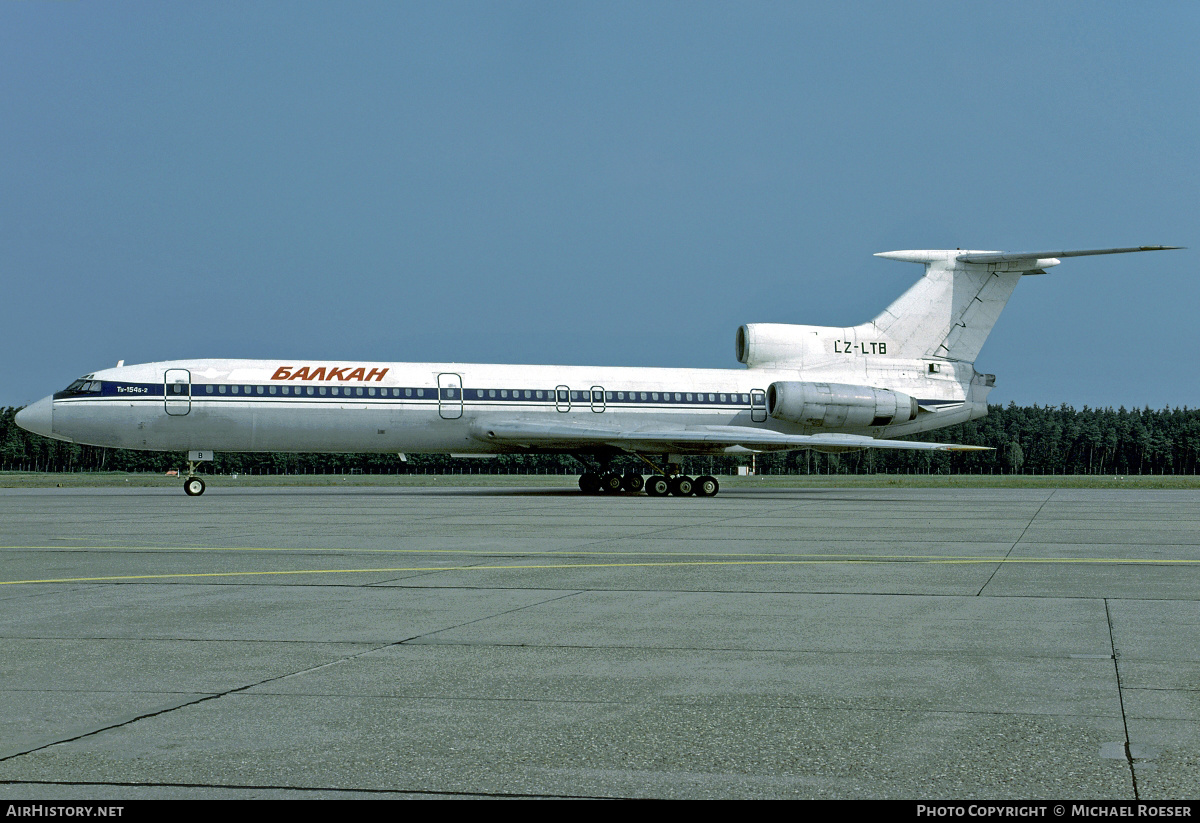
[[837, 404], [776, 344]]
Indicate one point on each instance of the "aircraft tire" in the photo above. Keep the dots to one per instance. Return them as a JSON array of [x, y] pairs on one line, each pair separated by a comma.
[[193, 487], [633, 483], [682, 486], [658, 486], [589, 483], [707, 486], [611, 483]]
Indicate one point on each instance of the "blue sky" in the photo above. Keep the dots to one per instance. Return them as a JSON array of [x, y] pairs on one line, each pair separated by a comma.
[[590, 183]]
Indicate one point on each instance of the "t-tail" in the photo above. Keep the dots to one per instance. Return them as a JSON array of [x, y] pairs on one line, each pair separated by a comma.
[[945, 316]]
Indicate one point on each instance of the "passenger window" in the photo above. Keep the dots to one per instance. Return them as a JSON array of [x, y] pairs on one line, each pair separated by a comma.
[[689, 397], [408, 393], [528, 394], [321, 390], [643, 395], [653, 395], [208, 389], [723, 398], [258, 389], [678, 397], [310, 390], [371, 391], [271, 389], [334, 391], [420, 392], [539, 395], [235, 389], [712, 398]]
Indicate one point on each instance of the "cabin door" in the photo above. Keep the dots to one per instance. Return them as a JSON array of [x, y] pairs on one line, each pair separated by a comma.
[[177, 391], [758, 406], [450, 403]]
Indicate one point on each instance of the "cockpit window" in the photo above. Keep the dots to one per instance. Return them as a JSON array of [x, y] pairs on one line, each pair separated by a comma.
[[84, 387]]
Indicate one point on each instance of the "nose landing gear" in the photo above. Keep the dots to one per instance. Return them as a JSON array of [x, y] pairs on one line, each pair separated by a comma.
[[193, 486]]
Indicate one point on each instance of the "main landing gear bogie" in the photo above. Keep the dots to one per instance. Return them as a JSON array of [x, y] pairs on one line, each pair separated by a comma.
[[610, 483], [657, 485]]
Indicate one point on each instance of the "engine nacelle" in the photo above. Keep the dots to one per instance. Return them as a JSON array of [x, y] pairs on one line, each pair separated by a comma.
[[833, 405], [765, 344]]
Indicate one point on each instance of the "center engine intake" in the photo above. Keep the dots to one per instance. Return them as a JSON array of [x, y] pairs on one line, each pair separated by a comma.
[[837, 404]]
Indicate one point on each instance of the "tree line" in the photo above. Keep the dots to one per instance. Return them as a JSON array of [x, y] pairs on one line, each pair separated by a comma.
[[1025, 439]]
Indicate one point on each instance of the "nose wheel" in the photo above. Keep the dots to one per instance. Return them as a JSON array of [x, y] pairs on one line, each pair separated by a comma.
[[193, 486]]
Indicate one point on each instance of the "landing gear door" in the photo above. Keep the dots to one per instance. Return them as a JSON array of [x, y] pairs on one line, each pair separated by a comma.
[[758, 406], [177, 391], [450, 402]]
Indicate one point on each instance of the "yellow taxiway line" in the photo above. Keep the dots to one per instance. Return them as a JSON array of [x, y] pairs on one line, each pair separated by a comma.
[[796, 561]]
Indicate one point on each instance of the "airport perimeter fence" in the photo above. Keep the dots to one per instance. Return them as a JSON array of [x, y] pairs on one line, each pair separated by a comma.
[[1032, 440]]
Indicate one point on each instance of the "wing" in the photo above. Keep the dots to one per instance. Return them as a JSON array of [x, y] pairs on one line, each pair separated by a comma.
[[708, 439]]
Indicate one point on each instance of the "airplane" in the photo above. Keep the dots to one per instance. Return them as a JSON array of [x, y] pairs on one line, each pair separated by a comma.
[[830, 389]]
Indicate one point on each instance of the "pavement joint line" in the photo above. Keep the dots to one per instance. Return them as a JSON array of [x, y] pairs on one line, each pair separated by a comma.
[[284, 788], [391, 581], [1011, 548], [1121, 699], [377, 646], [923, 561], [204, 699], [409, 640], [126, 722], [343, 551], [617, 539], [626, 590], [819, 652], [816, 706]]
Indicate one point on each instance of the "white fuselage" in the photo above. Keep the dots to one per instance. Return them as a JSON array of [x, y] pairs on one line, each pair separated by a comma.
[[311, 406]]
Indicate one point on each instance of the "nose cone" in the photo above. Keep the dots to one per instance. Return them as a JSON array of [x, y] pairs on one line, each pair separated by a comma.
[[38, 417]]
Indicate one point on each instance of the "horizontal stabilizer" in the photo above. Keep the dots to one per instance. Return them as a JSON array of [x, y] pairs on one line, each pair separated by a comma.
[[950, 311], [1013, 256]]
